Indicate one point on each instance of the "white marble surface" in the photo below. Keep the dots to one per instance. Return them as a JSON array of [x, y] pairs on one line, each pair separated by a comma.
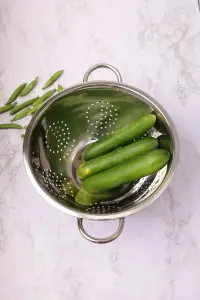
[[156, 46]]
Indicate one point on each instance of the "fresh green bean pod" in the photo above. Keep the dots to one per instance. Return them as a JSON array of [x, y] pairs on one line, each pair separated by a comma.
[[44, 97], [29, 87], [16, 93], [34, 109], [7, 107], [10, 126], [60, 88], [52, 79], [23, 105], [21, 114]]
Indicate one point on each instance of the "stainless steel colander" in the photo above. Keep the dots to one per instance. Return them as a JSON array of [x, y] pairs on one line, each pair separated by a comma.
[[67, 123]]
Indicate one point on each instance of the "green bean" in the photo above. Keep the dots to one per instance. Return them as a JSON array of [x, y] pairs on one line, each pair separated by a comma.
[[22, 135], [60, 88], [16, 93], [7, 107], [21, 114], [29, 87], [52, 79], [44, 97], [23, 105], [34, 109], [8, 126]]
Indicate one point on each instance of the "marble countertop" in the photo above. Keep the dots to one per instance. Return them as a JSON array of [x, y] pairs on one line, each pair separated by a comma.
[[156, 45]]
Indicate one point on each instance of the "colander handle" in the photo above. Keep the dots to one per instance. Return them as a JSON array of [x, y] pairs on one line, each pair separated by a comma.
[[104, 66], [100, 240]]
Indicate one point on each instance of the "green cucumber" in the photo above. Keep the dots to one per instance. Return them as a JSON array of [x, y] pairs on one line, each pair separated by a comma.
[[115, 157], [165, 142], [120, 138], [127, 172], [86, 199]]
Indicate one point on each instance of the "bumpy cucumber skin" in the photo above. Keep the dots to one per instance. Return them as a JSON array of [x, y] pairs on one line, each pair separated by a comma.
[[127, 172], [115, 157], [120, 138]]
